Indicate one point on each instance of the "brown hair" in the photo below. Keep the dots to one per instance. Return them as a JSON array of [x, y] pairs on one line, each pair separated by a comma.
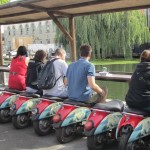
[[85, 50], [145, 56], [40, 55], [59, 51]]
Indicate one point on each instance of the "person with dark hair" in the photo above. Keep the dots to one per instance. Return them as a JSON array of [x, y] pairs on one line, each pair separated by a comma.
[[80, 79], [34, 67], [59, 90], [18, 69], [138, 94]]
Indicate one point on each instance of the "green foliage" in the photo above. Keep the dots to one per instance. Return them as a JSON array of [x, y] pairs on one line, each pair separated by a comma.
[[113, 34], [3, 2]]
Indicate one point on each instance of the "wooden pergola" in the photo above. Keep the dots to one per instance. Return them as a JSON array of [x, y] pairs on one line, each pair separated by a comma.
[[38, 10]]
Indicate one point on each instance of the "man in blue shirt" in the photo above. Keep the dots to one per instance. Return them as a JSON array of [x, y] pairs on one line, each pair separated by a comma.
[[81, 79]]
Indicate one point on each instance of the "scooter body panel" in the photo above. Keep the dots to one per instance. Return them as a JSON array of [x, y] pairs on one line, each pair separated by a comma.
[[50, 110], [77, 115], [27, 106], [4, 95], [9, 101], [108, 123], [141, 130], [128, 119]]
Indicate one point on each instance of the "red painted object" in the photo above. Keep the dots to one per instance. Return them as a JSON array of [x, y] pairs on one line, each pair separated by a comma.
[[4, 96], [43, 104], [20, 100], [96, 117], [129, 119], [64, 110]]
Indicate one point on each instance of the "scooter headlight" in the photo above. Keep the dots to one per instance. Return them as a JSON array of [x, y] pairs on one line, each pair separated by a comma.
[[13, 107], [34, 111]]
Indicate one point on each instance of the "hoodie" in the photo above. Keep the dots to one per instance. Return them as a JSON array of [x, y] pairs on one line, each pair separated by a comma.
[[138, 94]]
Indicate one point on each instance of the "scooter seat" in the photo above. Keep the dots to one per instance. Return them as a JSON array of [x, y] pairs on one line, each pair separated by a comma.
[[13, 91], [136, 111], [59, 99], [30, 95], [113, 105], [77, 103]]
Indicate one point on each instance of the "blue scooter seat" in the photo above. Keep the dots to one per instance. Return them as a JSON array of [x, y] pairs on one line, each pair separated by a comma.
[[78, 103], [114, 105], [136, 111]]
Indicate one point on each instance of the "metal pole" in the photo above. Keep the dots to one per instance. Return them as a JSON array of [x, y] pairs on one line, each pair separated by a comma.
[[1, 51]]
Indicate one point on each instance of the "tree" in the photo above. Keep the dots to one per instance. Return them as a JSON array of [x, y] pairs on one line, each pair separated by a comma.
[[112, 34], [3, 2]]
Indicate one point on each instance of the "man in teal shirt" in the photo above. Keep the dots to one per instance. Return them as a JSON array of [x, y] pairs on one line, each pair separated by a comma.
[[81, 79]]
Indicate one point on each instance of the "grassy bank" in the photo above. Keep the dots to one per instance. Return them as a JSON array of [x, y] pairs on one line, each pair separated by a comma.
[[112, 61]]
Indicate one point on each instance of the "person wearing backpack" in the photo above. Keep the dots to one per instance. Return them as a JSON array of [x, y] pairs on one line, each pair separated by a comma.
[[34, 67], [53, 78]]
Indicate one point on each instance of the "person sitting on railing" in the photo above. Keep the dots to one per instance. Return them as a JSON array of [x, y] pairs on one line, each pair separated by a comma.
[[34, 67], [80, 79], [138, 94], [18, 70]]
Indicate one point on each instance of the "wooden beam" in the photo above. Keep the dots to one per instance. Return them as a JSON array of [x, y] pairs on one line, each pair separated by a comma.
[[112, 10], [72, 6], [1, 51], [60, 26], [73, 42]]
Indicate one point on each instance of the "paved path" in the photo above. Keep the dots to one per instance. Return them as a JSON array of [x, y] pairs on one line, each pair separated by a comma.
[[26, 139]]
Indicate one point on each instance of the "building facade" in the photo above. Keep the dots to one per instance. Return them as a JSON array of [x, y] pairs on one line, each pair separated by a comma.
[[42, 32]]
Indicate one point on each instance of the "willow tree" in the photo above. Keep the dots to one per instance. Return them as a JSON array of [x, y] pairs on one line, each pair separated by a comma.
[[3, 1], [112, 34]]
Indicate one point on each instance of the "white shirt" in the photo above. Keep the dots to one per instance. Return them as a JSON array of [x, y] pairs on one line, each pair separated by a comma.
[[59, 89]]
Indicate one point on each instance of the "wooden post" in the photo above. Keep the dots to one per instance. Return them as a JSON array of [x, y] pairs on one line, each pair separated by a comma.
[[73, 41], [1, 51]]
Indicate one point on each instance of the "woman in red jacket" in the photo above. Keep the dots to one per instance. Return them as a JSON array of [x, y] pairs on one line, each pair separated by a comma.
[[18, 70]]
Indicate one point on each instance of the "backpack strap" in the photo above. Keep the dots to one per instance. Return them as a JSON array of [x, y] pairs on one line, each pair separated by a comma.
[[52, 62]]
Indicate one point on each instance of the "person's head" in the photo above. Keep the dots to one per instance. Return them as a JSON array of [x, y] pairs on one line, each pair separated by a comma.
[[40, 55], [85, 51], [145, 56], [22, 50], [61, 53]]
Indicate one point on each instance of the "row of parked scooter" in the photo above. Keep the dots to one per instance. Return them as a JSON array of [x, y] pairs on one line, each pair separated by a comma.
[[102, 123]]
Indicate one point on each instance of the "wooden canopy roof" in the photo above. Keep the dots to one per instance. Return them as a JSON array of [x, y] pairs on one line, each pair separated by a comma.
[[36, 10]]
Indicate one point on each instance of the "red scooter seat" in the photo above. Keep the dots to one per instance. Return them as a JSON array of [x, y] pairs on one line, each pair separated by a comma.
[[136, 111], [114, 105]]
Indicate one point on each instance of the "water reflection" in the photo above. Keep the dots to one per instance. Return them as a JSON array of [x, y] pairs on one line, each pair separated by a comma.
[[116, 90]]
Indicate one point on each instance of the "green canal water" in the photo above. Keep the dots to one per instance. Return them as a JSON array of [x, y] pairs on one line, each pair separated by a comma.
[[116, 90]]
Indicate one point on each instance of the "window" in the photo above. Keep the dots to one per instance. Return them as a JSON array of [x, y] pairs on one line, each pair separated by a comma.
[[27, 28], [40, 27], [8, 31], [47, 24], [33, 27], [14, 30], [21, 29]]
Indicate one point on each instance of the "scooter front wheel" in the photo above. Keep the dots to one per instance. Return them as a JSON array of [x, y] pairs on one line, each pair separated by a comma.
[[65, 134], [42, 127], [95, 142], [138, 145], [5, 116], [124, 140], [20, 121]]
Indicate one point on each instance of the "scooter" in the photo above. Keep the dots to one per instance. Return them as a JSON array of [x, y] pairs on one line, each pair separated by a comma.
[[21, 109], [101, 125], [43, 113], [7, 98], [128, 124], [69, 120], [140, 137]]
